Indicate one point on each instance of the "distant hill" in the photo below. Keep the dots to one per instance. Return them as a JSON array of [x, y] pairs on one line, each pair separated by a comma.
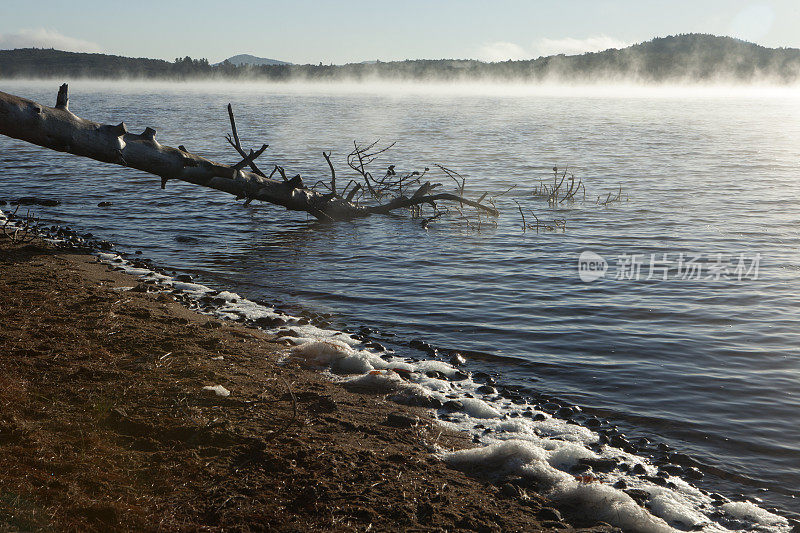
[[696, 58], [247, 59]]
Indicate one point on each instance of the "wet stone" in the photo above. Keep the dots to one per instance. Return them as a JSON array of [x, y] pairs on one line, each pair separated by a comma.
[[457, 359], [510, 490], [599, 464], [579, 469], [618, 441], [565, 412], [399, 420], [403, 373], [482, 377], [376, 346], [419, 344], [33, 200], [673, 470], [453, 405], [639, 496], [434, 403], [269, 321], [548, 513]]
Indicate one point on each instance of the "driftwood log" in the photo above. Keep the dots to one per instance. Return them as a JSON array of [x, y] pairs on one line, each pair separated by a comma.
[[59, 129]]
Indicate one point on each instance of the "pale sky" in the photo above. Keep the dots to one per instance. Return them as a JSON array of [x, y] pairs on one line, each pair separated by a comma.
[[303, 31]]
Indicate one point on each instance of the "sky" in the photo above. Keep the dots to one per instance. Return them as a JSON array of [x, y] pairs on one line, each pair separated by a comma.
[[327, 31]]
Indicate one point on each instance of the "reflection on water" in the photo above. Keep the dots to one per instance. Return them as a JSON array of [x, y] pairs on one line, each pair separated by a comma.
[[709, 366]]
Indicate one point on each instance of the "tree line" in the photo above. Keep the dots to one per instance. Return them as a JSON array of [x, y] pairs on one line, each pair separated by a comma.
[[688, 57]]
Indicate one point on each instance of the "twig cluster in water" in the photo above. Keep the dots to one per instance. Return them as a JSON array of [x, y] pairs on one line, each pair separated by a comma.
[[23, 229], [409, 187], [543, 225], [557, 193], [564, 189], [327, 201], [611, 197]]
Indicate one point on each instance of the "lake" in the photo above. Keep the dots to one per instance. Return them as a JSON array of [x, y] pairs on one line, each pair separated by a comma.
[[704, 361]]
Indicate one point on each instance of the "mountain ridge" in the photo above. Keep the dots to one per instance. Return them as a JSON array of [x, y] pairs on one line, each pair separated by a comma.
[[679, 58]]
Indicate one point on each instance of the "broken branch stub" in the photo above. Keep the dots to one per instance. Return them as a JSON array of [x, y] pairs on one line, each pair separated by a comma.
[[57, 128]]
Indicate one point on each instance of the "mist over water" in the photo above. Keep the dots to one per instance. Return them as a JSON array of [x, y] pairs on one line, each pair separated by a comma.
[[411, 88], [710, 367], [678, 59]]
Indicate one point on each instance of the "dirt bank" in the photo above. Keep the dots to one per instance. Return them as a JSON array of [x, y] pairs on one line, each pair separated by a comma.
[[104, 424]]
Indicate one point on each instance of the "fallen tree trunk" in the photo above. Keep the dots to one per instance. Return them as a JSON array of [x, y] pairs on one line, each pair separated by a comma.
[[59, 129]]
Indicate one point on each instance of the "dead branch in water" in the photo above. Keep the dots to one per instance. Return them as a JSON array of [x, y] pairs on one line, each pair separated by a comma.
[[59, 129], [556, 193], [20, 229], [543, 225], [612, 198]]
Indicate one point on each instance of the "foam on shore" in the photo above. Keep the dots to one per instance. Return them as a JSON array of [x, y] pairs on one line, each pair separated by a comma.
[[512, 438]]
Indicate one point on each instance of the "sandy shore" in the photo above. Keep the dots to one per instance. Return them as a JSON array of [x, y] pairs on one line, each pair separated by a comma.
[[105, 425]]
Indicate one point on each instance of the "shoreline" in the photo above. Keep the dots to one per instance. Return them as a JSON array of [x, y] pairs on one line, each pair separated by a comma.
[[513, 446], [105, 423]]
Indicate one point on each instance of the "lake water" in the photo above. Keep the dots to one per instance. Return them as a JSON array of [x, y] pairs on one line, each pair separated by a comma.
[[708, 366]]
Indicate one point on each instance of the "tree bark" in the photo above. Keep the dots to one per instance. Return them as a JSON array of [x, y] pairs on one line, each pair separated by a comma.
[[59, 129]]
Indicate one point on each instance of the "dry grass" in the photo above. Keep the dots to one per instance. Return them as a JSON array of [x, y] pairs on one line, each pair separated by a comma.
[[104, 426]]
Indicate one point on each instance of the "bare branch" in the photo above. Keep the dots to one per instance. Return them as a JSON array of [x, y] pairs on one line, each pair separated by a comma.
[[59, 129], [238, 145], [404, 201], [333, 172], [250, 157]]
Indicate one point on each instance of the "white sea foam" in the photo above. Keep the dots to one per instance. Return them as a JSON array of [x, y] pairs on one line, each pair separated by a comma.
[[752, 513], [219, 390], [510, 441], [479, 409]]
